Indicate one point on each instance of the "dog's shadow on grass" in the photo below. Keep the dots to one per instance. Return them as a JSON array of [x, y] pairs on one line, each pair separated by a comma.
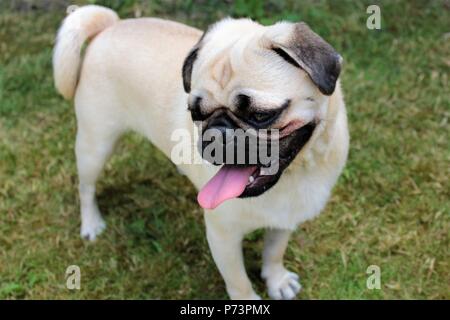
[[149, 202], [166, 219]]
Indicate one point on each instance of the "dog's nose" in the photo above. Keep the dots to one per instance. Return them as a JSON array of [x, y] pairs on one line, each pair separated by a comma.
[[222, 123], [224, 127]]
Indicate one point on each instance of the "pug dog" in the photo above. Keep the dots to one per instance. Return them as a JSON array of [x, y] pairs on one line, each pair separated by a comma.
[[155, 76]]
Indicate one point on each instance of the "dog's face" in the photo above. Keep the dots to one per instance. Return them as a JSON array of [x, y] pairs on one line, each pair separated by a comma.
[[242, 75]]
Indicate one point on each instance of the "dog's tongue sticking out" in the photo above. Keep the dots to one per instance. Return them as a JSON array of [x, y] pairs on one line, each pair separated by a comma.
[[227, 184]]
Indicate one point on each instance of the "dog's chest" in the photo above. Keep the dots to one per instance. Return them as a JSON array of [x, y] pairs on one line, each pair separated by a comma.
[[296, 198]]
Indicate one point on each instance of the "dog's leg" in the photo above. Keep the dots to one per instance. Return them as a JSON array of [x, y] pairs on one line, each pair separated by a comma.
[[226, 249], [92, 151], [281, 283]]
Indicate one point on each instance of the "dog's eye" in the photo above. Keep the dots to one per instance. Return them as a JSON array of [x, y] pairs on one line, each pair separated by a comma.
[[263, 118]]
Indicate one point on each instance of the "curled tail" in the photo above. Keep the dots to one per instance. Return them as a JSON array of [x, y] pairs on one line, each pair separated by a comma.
[[82, 24]]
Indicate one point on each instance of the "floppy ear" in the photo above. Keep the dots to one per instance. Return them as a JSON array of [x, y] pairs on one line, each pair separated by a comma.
[[306, 50], [187, 68], [189, 63]]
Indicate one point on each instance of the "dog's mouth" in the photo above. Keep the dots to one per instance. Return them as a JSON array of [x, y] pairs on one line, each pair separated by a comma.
[[235, 182], [238, 181], [228, 183]]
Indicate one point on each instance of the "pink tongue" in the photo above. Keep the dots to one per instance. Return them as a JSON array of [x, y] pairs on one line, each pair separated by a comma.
[[228, 183]]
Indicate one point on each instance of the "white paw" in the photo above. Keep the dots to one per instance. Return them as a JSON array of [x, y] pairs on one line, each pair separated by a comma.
[[283, 285], [92, 228]]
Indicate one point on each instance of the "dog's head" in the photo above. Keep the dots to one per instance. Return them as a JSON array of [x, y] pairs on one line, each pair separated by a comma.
[[242, 75]]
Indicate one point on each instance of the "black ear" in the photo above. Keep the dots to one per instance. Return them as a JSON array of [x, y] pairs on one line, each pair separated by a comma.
[[307, 50], [188, 64], [187, 68]]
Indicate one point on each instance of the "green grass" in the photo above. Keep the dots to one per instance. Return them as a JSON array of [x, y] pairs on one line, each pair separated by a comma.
[[390, 207]]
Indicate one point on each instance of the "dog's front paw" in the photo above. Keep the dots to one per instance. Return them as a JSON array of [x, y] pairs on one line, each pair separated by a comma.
[[242, 294], [92, 228], [282, 284], [250, 296]]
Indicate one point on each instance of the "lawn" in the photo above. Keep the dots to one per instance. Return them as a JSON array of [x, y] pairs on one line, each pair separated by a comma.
[[390, 208]]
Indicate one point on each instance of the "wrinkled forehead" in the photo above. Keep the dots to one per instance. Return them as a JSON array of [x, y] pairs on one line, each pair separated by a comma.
[[244, 63], [224, 50]]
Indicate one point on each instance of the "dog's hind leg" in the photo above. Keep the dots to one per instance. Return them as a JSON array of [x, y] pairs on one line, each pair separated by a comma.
[[281, 283], [94, 146]]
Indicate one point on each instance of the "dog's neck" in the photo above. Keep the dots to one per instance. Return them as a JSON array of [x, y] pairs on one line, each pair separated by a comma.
[[322, 144]]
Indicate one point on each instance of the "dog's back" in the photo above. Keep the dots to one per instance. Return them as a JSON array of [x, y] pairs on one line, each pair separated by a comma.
[[123, 70], [145, 34]]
